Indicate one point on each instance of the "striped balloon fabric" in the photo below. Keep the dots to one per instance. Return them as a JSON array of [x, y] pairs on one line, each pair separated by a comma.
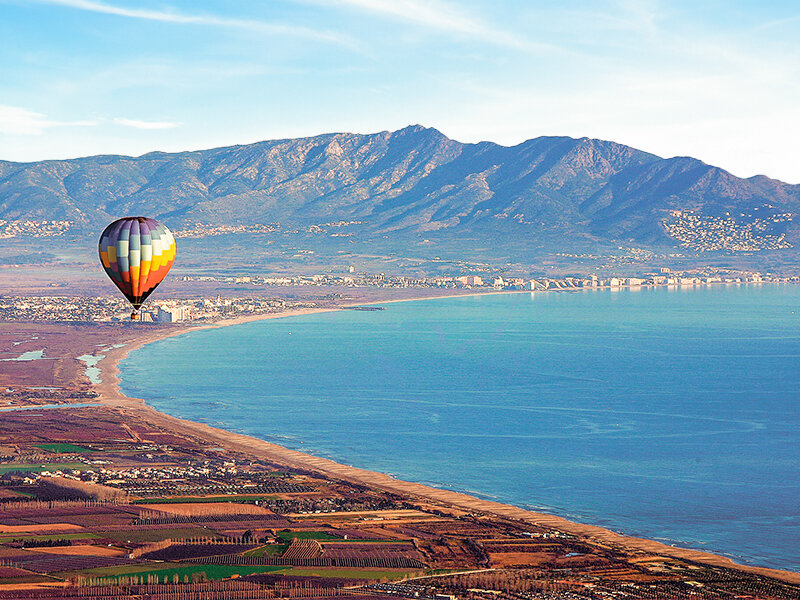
[[137, 254]]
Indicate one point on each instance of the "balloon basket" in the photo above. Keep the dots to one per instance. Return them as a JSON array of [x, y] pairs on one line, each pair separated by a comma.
[[135, 315]]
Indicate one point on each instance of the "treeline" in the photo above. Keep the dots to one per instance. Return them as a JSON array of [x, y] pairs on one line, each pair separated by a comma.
[[36, 504], [32, 543], [84, 489]]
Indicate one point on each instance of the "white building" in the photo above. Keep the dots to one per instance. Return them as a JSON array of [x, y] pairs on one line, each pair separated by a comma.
[[171, 314]]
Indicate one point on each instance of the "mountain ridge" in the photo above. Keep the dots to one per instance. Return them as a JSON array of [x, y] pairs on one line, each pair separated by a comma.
[[412, 182]]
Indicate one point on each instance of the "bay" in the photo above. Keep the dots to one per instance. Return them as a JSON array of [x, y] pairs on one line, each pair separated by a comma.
[[666, 413]]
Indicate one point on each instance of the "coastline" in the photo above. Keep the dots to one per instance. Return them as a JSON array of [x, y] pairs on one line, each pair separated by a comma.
[[111, 395]]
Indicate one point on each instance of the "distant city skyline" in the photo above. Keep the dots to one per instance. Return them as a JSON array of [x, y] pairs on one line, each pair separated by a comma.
[[715, 80]]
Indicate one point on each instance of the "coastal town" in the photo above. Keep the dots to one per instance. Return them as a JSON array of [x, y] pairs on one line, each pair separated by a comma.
[[499, 283], [312, 293], [33, 228], [112, 308], [745, 232]]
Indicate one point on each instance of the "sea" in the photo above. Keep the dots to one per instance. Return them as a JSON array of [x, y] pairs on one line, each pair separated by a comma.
[[666, 413]]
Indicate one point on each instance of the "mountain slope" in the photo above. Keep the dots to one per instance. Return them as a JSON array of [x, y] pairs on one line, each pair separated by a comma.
[[414, 181]]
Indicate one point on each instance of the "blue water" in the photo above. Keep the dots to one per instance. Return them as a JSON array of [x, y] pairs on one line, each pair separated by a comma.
[[666, 413]]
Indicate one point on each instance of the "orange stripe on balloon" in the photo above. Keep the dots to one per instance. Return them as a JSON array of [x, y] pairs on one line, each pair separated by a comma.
[[135, 280], [144, 276]]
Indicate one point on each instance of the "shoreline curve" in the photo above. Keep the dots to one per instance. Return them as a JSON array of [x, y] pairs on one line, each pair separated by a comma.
[[110, 394]]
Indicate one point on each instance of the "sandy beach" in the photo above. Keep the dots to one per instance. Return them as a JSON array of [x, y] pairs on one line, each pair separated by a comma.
[[110, 394]]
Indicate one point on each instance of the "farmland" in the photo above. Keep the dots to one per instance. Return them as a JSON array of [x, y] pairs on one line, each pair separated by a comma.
[[243, 498], [44, 538], [63, 448], [38, 468], [306, 535], [269, 550], [374, 574], [171, 574], [315, 532], [143, 536], [117, 501]]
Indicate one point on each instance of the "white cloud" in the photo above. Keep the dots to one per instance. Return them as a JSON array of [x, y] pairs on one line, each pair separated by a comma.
[[136, 124], [431, 14], [445, 16], [15, 120], [171, 16], [20, 121]]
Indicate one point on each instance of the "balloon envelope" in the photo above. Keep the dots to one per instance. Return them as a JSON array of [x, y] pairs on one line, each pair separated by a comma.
[[137, 254]]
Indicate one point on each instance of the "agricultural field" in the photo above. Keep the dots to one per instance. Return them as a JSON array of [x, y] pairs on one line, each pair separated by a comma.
[[15, 575], [307, 535], [368, 574], [39, 467], [143, 536], [184, 574], [269, 550], [155, 512], [185, 551], [63, 448], [47, 538], [242, 498]]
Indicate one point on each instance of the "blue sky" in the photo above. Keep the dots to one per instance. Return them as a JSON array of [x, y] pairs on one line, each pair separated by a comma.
[[719, 80]]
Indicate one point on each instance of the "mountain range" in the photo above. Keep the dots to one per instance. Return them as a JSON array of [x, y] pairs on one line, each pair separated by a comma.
[[416, 183]]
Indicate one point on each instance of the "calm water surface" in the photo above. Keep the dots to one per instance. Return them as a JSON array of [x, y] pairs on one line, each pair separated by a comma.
[[669, 413]]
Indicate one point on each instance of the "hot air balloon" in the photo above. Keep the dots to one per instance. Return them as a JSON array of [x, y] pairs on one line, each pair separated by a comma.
[[137, 254]]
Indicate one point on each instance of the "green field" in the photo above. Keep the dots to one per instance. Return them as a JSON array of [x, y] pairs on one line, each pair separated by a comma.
[[25, 494], [10, 493], [64, 448], [306, 535], [234, 498], [215, 572], [28, 468], [270, 550], [156, 535], [165, 574]]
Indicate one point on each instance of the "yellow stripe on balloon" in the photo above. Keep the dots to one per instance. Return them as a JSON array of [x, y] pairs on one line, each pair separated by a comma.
[[157, 256], [135, 280], [145, 273]]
